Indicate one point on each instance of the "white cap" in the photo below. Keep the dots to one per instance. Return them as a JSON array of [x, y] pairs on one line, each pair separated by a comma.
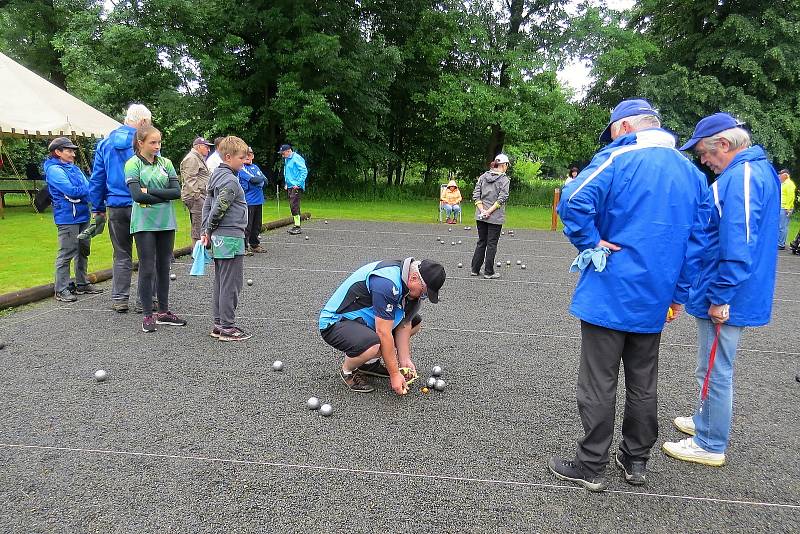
[[501, 158]]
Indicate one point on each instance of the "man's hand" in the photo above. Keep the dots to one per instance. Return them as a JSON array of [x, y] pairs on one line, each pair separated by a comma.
[[719, 313], [204, 240], [398, 383], [610, 246], [674, 311]]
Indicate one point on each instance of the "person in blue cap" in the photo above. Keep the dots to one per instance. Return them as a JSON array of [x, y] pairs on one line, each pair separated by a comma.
[[633, 210], [294, 178], [735, 283]]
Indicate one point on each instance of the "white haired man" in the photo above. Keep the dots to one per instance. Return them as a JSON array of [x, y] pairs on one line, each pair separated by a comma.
[[633, 210], [108, 192], [735, 284]]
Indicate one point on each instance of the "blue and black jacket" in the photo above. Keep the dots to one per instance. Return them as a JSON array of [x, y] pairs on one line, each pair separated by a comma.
[[252, 181], [354, 300], [69, 191], [107, 185]]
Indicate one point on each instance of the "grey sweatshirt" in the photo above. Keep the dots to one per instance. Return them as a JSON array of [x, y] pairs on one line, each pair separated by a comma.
[[492, 188], [225, 208]]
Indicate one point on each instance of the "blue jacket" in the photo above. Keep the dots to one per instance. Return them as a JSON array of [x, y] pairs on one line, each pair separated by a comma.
[[107, 185], [69, 191], [353, 300], [295, 171], [252, 181], [738, 260], [643, 195]]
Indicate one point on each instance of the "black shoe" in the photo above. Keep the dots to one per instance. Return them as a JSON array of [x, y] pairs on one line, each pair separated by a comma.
[[294, 230], [120, 306], [356, 381], [65, 296], [571, 471], [374, 369], [635, 470], [87, 289]]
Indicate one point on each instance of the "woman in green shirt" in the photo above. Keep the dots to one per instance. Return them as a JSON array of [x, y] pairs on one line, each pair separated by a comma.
[[153, 184]]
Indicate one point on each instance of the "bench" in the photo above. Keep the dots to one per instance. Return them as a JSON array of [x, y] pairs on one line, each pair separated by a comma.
[[18, 185]]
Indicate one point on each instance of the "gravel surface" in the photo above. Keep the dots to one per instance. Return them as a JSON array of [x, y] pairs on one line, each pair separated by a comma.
[[192, 435]]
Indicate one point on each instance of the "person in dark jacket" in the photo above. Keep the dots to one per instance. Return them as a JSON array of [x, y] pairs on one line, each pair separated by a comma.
[[224, 224], [69, 193], [490, 196], [109, 197], [252, 181], [153, 185]]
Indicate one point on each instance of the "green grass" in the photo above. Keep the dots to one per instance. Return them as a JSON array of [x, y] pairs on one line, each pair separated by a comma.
[[28, 241]]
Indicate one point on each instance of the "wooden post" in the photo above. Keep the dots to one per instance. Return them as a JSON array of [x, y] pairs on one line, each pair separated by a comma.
[[554, 215]]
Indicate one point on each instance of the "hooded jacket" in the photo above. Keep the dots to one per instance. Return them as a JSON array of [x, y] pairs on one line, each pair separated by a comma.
[[451, 197], [252, 181], [643, 195], [492, 188], [737, 265], [225, 208], [69, 191], [107, 187]]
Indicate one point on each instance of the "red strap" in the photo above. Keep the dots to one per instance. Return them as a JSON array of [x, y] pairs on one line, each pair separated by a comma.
[[711, 357]]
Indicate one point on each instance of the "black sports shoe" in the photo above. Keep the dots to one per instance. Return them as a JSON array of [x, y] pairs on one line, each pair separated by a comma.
[[374, 369], [356, 381], [571, 471], [87, 289], [294, 230], [635, 470]]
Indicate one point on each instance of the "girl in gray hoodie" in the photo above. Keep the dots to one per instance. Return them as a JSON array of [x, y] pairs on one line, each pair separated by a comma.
[[490, 196]]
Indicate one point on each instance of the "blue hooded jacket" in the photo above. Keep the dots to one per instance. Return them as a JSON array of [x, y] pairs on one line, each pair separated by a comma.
[[68, 188], [738, 260], [107, 185], [295, 171], [252, 181], [643, 195]]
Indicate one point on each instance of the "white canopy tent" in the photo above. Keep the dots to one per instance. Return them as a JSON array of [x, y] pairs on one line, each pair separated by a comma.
[[30, 106]]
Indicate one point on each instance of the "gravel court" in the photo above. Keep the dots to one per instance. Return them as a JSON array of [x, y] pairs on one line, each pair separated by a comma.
[[181, 393]]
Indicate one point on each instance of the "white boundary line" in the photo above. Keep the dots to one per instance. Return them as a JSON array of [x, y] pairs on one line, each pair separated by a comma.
[[450, 330], [377, 472]]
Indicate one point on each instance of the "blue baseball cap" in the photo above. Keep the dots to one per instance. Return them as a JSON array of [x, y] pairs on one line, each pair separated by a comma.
[[711, 125], [627, 108], [284, 147]]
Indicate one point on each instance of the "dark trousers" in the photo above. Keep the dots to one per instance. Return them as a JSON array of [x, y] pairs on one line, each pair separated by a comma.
[[155, 258], [602, 349], [485, 250], [253, 226], [119, 229], [294, 199], [228, 277]]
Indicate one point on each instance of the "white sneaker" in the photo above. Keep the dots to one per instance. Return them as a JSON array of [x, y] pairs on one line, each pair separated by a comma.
[[685, 425], [688, 451]]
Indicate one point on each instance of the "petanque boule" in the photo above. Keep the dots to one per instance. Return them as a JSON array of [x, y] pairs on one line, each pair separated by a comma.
[[277, 365], [508, 262], [436, 371], [460, 265], [439, 385], [100, 375], [519, 262], [523, 266], [459, 241], [431, 381], [313, 403], [502, 233], [453, 243], [449, 229], [249, 281], [466, 228], [326, 410], [499, 264], [173, 276], [306, 238], [326, 222]]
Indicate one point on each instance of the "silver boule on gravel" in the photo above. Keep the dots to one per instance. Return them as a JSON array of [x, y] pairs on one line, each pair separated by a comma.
[[439, 385], [173, 276], [431, 381], [277, 365], [436, 371], [326, 222], [459, 241], [326, 410], [519, 262], [313, 403], [460, 265], [523, 266], [508, 262], [306, 238], [453, 243], [499, 264], [249, 281], [100, 375]]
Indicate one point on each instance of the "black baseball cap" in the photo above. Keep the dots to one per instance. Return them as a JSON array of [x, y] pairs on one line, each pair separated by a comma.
[[433, 275], [60, 143], [284, 147]]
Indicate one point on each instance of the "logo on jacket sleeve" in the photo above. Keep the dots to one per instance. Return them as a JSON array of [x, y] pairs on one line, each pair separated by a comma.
[[395, 291], [389, 308]]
